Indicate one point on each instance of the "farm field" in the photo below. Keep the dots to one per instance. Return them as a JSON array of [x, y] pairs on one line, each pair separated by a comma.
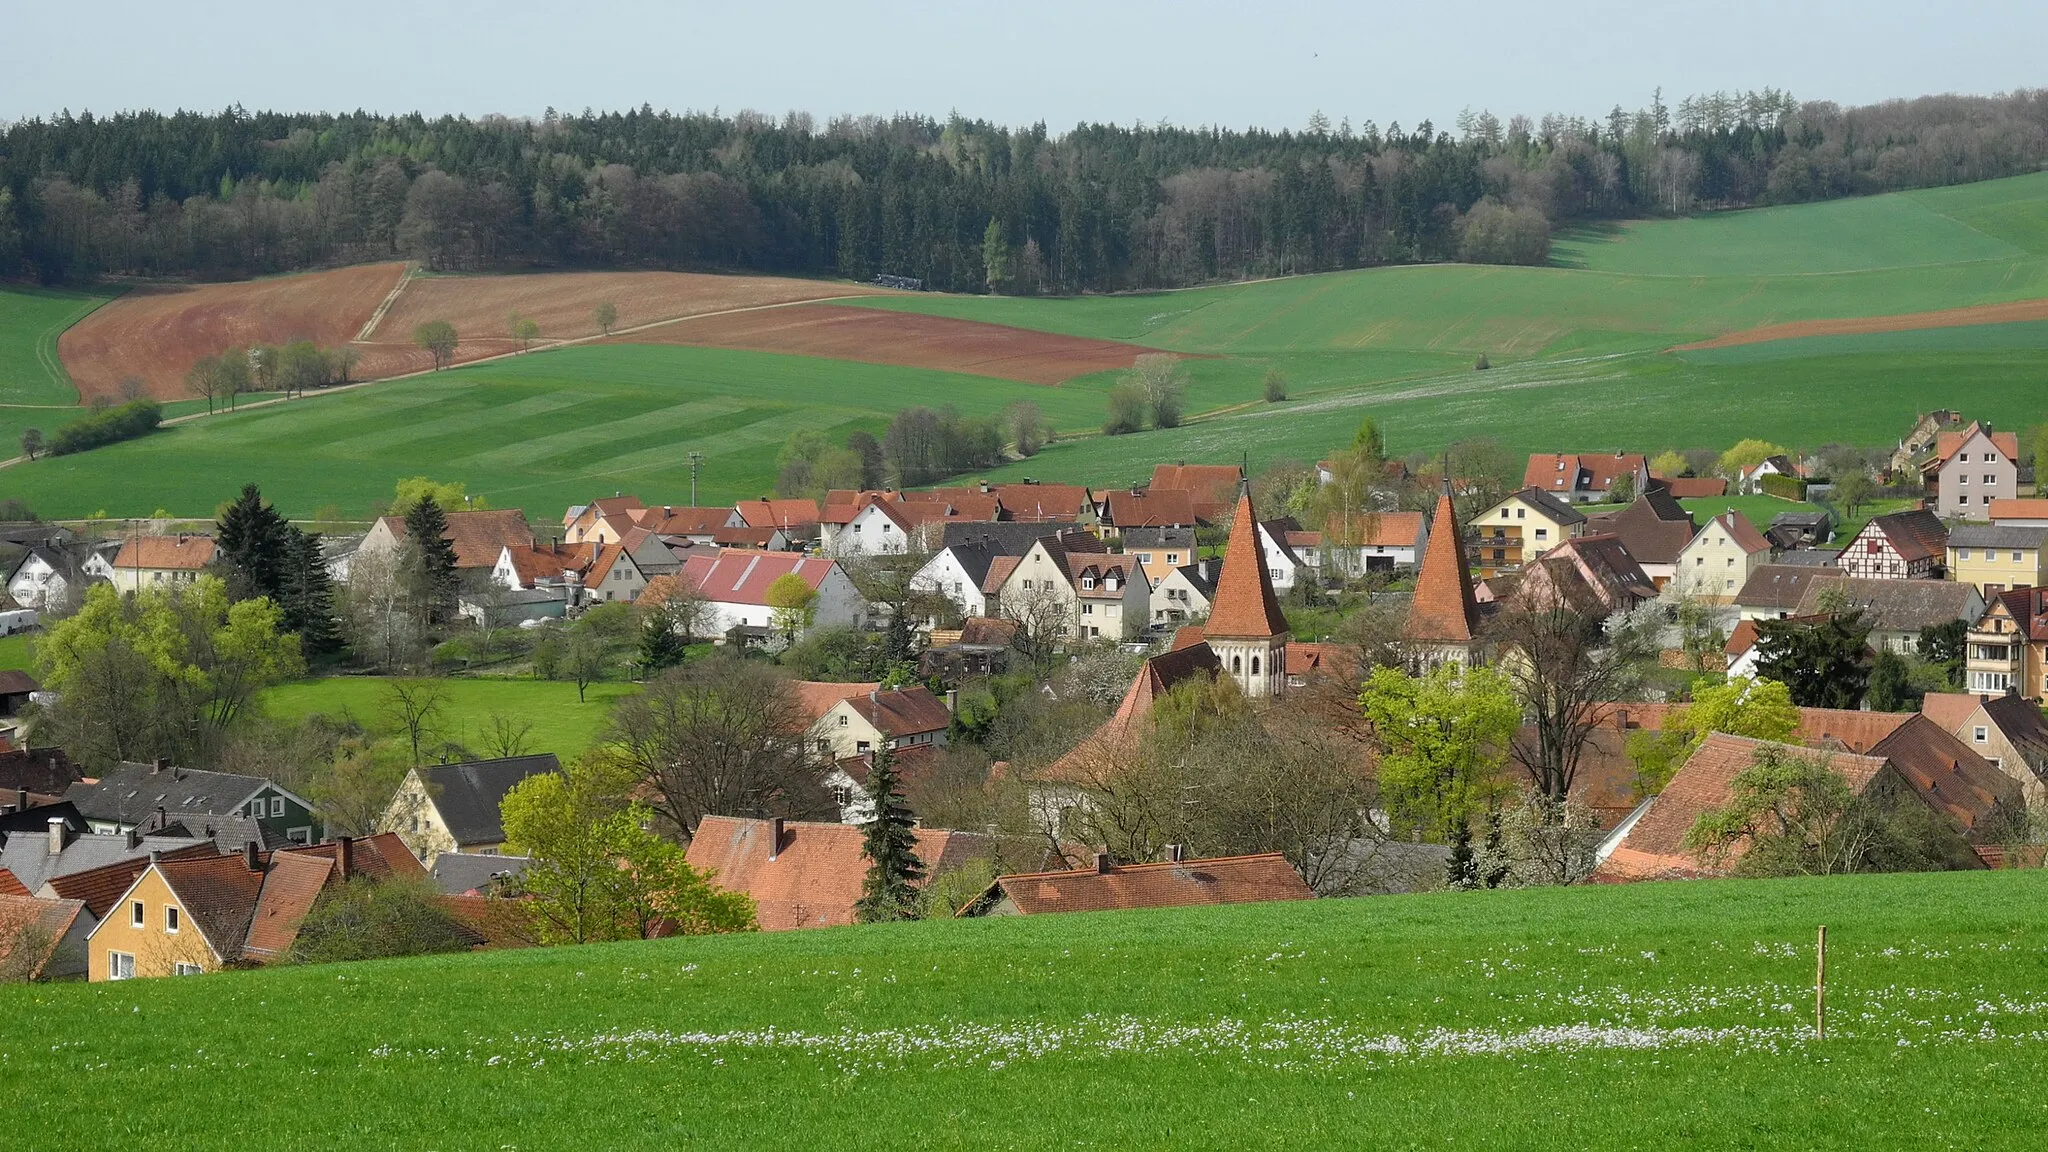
[[541, 432], [1650, 1016], [14, 653], [31, 320], [561, 724]]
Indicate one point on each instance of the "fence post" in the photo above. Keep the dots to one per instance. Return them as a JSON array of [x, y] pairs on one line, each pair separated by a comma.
[[1820, 986]]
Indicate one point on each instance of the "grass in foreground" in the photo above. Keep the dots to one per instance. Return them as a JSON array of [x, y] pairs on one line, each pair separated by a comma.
[[1652, 1016], [561, 724]]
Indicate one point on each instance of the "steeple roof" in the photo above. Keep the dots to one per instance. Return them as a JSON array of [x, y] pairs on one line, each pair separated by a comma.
[[1245, 607], [1444, 610]]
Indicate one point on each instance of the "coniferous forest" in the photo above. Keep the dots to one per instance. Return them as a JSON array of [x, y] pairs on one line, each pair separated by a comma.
[[963, 205]]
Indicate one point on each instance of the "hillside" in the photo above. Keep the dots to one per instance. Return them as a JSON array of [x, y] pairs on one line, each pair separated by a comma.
[[1654, 1016]]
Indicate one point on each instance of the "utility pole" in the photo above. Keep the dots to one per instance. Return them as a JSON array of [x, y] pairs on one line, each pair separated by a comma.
[[696, 461]]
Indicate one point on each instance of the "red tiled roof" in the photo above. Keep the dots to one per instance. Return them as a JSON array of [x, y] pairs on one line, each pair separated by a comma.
[[1742, 639], [1443, 608], [1577, 472], [1101, 566], [538, 562], [1149, 509], [1244, 606], [813, 878], [219, 894], [778, 513], [1225, 880], [671, 520], [378, 857], [2023, 509], [1693, 487], [1947, 444], [1209, 487], [1741, 531], [53, 919], [1916, 534], [738, 576], [961, 503], [11, 885], [901, 712], [1949, 709], [166, 553], [1655, 528], [479, 537], [1947, 773], [100, 887], [1388, 529], [1191, 656], [814, 698], [290, 886], [1043, 503], [1000, 569]]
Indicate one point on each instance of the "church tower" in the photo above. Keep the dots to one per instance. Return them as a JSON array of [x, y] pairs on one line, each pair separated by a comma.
[[1443, 619], [1246, 628]]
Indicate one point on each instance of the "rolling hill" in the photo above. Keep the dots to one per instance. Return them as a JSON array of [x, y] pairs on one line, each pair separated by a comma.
[[1650, 1016]]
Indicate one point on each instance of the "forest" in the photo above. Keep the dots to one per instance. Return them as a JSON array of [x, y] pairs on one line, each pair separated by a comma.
[[962, 205]]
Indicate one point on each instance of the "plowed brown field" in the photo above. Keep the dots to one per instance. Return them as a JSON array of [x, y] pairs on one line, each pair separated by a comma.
[[904, 339], [156, 334], [2010, 313], [481, 307]]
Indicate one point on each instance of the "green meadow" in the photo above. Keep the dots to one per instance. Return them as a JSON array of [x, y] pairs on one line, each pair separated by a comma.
[[562, 724], [31, 319], [1646, 1016], [14, 653]]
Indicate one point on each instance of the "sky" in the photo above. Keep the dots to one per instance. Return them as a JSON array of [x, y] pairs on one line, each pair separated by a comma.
[[1269, 64]]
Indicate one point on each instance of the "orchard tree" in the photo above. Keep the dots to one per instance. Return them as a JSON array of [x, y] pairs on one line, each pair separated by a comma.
[[606, 315], [438, 338], [31, 442]]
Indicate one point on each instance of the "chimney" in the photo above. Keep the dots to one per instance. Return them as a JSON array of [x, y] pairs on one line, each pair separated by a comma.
[[952, 700], [155, 858], [1102, 864], [157, 765], [667, 511], [1621, 719], [1177, 853], [134, 839], [775, 837], [249, 856], [56, 835], [163, 818], [21, 799], [344, 856], [555, 547], [874, 695]]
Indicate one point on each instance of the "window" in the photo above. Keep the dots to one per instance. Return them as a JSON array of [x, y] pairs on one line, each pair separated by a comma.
[[135, 916], [1979, 734], [1255, 665], [170, 918], [183, 969], [862, 745], [1236, 665], [255, 808], [1963, 479], [1087, 609], [1543, 533], [842, 721], [1989, 479], [842, 795], [1962, 553], [120, 966], [1522, 514], [2016, 558], [1087, 583], [277, 805]]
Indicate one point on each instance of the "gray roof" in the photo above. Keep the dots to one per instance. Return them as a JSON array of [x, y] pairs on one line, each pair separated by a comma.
[[1158, 538], [458, 872], [1779, 586], [1995, 536], [1205, 584], [1557, 510], [467, 795], [1390, 867], [974, 559], [1809, 557], [1897, 605], [27, 854], [1008, 539], [1815, 518], [131, 793]]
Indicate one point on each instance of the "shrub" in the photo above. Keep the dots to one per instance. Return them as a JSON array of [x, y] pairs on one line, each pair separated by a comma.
[[1494, 233], [1276, 386], [1783, 487], [107, 426]]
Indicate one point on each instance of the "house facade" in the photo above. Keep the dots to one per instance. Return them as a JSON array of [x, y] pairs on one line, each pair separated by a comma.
[[1896, 610], [1586, 478], [1718, 563], [130, 797], [161, 561], [1970, 470], [735, 583], [442, 808], [1520, 528], [1997, 558], [957, 573], [1900, 546], [898, 719], [2006, 647], [1185, 594]]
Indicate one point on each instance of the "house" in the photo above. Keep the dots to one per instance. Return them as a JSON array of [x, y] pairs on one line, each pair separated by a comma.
[[600, 521], [695, 524], [1005, 539], [1800, 530], [1589, 573], [1773, 591], [2030, 513], [958, 572], [1174, 883], [809, 875], [1915, 763], [43, 939], [16, 687], [1740, 649], [796, 519], [161, 561], [1656, 529], [581, 574], [1283, 567], [1443, 618], [896, 718], [1160, 550], [184, 917], [1910, 545], [1140, 507], [1185, 593], [1691, 487], [133, 796], [1920, 438], [735, 583], [1211, 488], [52, 841], [1586, 478], [1896, 610], [478, 539], [1996, 557], [444, 808], [1523, 526], [50, 577], [2009, 731], [885, 523], [981, 647], [2006, 646], [1096, 594], [1969, 470], [1718, 563], [1751, 480], [1367, 542], [462, 874], [1034, 503]]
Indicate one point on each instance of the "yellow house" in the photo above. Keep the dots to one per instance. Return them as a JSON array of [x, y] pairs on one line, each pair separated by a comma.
[[1519, 529], [454, 807], [1721, 558], [1996, 558], [178, 918], [160, 561]]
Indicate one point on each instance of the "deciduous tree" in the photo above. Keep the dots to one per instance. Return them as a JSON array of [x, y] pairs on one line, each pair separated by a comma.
[[438, 338]]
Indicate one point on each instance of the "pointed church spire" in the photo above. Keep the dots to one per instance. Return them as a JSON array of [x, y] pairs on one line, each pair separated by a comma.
[[1444, 609], [1245, 606]]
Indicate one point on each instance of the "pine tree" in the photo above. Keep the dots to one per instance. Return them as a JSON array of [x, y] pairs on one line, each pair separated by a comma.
[[429, 561], [307, 596], [660, 645], [254, 544], [890, 892]]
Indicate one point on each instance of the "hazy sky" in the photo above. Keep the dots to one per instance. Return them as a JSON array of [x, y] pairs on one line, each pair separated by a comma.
[[1061, 61]]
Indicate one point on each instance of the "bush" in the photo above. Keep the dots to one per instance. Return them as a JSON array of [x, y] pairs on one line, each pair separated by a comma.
[[372, 920], [1276, 386], [1126, 408], [1493, 233], [107, 426], [1783, 487]]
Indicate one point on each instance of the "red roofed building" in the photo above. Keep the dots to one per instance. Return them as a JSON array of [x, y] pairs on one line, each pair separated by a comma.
[[1585, 478], [1970, 471], [1139, 507], [806, 875], [797, 519], [600, 520], [900, 718], [1909, 545], [1210, 488], [1035, 503], [735, 586], [1443, 619], [160, 561], [1721, 558], [479, 537], [1171, 884], [1246, 629]]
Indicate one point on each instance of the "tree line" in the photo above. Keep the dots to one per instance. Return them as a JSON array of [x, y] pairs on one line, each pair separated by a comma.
[[964, 205]]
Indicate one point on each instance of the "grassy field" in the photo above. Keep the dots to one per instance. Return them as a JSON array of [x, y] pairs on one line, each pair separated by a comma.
[[561, 724], [31, 319], [14, 653], [1651, 1016]]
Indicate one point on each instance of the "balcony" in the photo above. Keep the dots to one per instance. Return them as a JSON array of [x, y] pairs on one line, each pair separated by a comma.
[[1993, 662]]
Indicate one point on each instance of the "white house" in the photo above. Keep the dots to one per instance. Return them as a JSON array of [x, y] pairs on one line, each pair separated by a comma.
[[1098, 595], [1184, 593], [1282, 564], [895, 718], [957, 573], [1970, 470], [735, 583], [161, 561], [48, 580]]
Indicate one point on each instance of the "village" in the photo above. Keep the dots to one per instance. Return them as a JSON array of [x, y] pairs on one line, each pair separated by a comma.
[[1364, 677]]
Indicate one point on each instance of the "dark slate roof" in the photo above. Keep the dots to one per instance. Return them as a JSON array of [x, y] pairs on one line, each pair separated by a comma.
[[1992, 536], [44, 770], [1779, 586], [27, 854], [455, 873], [974, 559], [1009, 539], [1894, 605], [467, 795], [1204, 582], [1809, 557], [131, 793], [1148, 538], [1817, 518], [1557, 510]]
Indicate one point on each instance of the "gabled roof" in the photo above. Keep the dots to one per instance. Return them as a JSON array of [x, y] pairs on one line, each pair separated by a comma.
[[15, 682], [1947, 773], [45, 770], [1895, 605], [1580, 472], [1245, 606], [166, 553], [1553, 509], [1209, 487], [900, 712], [1190, 656], [778, 513], [1589, 572], [100, 887], [1951, 709], [1226, 880], [467, 795], [1044, 502], [814, 698], [52, 919], [131, 793], [2024, 726], [1998, 536], [673, 520], [812, 878], [1655, 528], [1692, 487], [460, 873], [739, 576], [2020, 509], [478, 536], [1740, 532], [1779, 586], [1000, 570], [1742, 639], [1154, 538], [28, 857], [1947, 444], [1390, 529], [290, 886], [1202, 577], [537, 563], [1916, 534], [1443, 609], [219, 895], [1148, 509], [958, 504], [1017, 539], [973, 559], [1100, 568]]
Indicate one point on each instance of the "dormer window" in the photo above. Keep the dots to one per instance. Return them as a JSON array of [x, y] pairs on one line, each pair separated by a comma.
[[1087, 582]]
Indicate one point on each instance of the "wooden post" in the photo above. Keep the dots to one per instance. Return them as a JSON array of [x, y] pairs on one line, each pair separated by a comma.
[[1820, 986]]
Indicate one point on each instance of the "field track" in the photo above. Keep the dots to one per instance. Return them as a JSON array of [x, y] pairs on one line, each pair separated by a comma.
[[900, 339], [2017, 311], [156, 333]]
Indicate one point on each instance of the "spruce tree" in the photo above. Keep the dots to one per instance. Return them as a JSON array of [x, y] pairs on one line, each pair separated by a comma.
[[307, 596], [889, 839], [428, 566], [253, 543], [660, 645]]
